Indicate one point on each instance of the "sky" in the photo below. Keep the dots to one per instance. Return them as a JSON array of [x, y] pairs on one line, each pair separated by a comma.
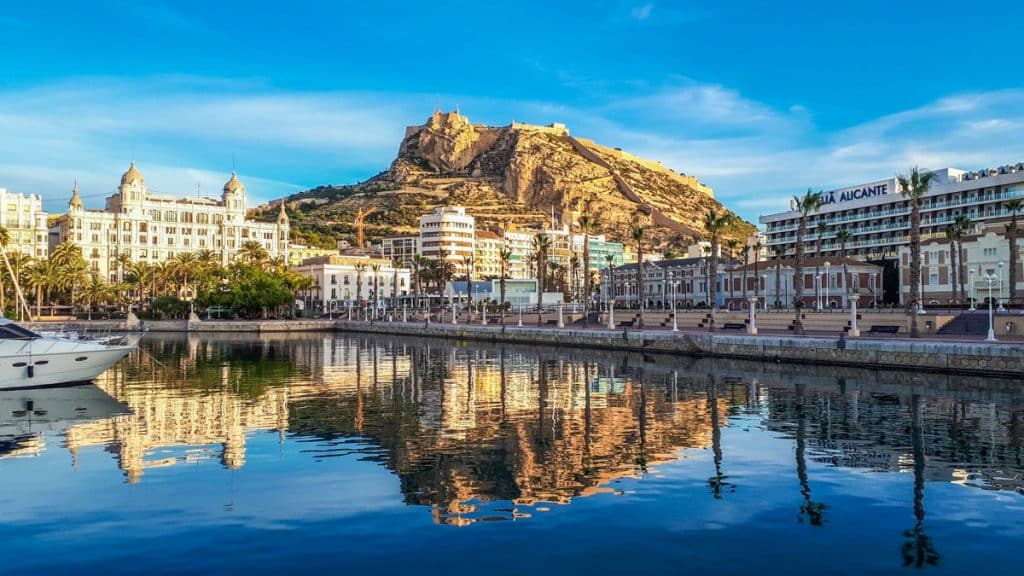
[[759, 100]]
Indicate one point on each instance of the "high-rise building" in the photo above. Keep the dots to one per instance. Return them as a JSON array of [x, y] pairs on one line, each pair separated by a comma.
[[448, 233], [151, 228], [23, 217]]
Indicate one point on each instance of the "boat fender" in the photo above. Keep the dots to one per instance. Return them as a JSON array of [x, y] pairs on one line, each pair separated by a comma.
[[31, 371]]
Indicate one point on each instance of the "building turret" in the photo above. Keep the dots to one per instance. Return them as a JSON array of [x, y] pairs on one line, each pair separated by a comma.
[[75, 204], [282, 216], [234, 195], [133, 186]]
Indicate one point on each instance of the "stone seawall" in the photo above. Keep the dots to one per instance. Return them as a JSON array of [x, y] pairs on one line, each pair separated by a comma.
[[1006, 360], [261, 326]]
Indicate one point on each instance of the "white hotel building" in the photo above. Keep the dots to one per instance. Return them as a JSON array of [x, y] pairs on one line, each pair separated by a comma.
[[150, 228], [23, 217], [448, 230], [878, 216]]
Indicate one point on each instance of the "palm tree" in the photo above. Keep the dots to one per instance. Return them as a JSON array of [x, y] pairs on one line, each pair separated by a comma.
[[952, 234], [360, 268], [843, 237], [253, 252], [609, 260], [638, 232], [375, 268], [714, 223], [963, 225], [541, 246], [757, 257], [504, 256], [5, 240], [45, 276], [94, 291], [733, 245], [586, 222], [820, 229], [467, 263], [779, 253], [1013, 206], [746, 261], [806, 204], [122, 260], [183, 266], [915, 185]]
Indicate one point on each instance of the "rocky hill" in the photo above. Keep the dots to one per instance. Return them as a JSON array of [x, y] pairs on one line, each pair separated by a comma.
[[517, 174]]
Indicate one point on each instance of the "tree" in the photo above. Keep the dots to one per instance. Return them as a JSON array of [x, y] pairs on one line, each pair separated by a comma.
[[94, 291], [467, 263], [963, 225], [638, 232], [253, 252], [541, 246], [821, 228], [504, 256], [779, 253], [805, 205], [714, 224], [360, 269], [375, 268], [757, 257], [746, 262], [953, 233], [914, 185], [733, 245], [586, 222], [44, 276], [1012, 232], [843, 237]]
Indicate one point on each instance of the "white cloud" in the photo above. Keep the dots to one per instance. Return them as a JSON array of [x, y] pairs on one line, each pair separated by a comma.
[[642, 12], [183, 129]]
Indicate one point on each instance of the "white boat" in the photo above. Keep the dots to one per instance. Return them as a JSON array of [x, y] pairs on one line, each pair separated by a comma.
[[29, 360]]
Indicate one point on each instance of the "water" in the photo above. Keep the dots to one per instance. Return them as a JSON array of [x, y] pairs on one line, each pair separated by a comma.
[[289, 454]]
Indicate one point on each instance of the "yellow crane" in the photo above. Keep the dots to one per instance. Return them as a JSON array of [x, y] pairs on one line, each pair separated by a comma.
[[360, 217]]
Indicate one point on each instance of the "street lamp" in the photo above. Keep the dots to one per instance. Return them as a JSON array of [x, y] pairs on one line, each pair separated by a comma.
[[991, 331], [764, 305], [817, 292], [673, 284], [826, 281]]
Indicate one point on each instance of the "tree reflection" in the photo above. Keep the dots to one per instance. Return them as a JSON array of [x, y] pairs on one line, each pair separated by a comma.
[[918, 548], [810, 511], [716, 483]]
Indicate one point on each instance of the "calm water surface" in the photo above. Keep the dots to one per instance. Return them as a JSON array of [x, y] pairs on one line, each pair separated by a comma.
[[310, 453]]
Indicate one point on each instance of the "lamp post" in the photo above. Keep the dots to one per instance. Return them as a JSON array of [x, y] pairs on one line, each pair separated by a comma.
[[675, 320], [991, 316], [817, 292], [974, 290], [826, 280], [764, 306], [1000, 294]]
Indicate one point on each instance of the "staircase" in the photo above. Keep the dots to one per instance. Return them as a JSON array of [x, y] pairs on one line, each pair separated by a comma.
[[967, 324]]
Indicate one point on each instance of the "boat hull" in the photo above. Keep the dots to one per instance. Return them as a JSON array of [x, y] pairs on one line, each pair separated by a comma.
[[58, 368]]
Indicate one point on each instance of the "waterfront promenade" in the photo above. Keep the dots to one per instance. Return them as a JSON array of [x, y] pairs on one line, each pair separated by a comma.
[[932, 352]]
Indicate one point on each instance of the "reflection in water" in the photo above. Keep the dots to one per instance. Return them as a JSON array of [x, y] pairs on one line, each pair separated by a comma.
[[482, 433]]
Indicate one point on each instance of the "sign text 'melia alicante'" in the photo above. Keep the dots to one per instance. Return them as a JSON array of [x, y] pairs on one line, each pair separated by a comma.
[[848, 194]]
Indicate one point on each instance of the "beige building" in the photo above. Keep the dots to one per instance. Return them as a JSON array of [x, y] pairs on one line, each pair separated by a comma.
[[487, 263], [401, 249], [23, 217], [349, 280], [153, 228], [299, 253], [986, 255]]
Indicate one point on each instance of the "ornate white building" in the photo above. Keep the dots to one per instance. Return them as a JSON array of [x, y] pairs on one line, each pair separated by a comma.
[[23, 217], [151, 228]]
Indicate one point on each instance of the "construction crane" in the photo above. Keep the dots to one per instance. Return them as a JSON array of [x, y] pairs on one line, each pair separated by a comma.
[[360, 217]]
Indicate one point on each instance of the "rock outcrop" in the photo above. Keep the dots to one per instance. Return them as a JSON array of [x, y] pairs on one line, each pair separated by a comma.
[[520, 173]]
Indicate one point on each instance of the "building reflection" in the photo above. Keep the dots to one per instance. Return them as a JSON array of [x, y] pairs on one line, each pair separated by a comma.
[[480, 432]]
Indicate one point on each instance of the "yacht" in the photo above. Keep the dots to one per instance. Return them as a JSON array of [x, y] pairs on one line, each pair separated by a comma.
[[31, 360]]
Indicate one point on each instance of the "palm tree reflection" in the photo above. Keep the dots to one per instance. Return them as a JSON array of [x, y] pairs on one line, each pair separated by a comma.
[[810, 511], [918, 548], [716, 483]]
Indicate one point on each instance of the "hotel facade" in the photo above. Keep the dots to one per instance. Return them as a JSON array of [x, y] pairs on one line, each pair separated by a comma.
[[150, 228], [878, 217], [23, 217]]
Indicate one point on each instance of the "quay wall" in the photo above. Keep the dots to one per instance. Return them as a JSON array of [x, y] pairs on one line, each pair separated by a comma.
[[934, 356]]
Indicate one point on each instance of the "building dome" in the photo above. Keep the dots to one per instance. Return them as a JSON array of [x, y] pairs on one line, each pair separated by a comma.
[[234, 184], [132, 175]]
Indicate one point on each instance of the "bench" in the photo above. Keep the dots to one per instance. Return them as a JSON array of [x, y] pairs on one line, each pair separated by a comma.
[[884, 329], [734, 326], [626, 324]]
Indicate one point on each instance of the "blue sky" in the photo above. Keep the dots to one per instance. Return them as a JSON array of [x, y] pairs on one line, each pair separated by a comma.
[[759, 100]]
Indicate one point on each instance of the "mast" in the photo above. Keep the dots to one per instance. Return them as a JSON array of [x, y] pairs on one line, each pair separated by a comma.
[[22, 305]]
